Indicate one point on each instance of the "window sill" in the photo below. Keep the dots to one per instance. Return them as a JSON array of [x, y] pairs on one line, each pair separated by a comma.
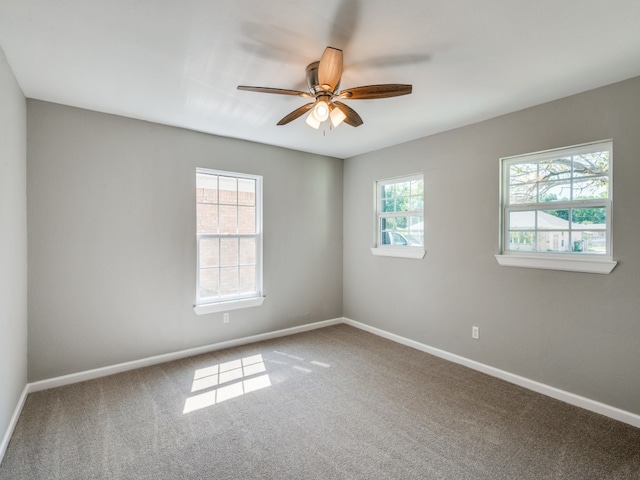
[[226, 306], [584, 265], [417, 253]]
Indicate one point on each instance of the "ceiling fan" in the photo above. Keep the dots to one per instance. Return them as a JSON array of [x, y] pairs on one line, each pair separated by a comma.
[[323, 79]]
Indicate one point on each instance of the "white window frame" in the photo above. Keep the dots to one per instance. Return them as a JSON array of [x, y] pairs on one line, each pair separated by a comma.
[[572, 261], [232, 302], [404, 251]]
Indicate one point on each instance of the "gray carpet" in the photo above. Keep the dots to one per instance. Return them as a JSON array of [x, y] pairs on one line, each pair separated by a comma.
[[335, 403]]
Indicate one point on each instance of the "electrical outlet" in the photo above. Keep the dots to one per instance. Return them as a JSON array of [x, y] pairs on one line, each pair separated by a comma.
[[225, 317], [475, 332]]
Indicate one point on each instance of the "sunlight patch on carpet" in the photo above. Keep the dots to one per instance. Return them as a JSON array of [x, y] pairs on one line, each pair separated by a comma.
[[232, 380]]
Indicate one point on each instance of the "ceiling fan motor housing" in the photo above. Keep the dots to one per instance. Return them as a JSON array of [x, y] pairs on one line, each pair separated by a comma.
[[312, 80]]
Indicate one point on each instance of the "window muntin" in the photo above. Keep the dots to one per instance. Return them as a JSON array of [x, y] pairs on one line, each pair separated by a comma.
[[558, 202], [229, 237], [400, 212]]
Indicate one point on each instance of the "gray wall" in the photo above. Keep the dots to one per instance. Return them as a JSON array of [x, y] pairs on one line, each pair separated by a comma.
[[574, 331], [13, 243], [112, 238]]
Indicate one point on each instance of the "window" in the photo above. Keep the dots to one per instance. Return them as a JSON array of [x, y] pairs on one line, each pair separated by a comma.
[[556, 208], [400, 217], [229, 240]]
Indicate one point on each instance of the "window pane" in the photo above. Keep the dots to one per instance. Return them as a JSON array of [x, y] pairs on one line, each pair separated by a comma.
[[417, 187], [402, 223], [402, 196], [589, 233], [395, 231], [416, 224], [522, 220], [208, 282], [228, 280], [228, 190], [399, 239], [522, 241], [553, 242], [247, 279], [228, 219], [403, 189], [387, 223], [416, 203], [403, 192], [591, 164], [228, 251], [553, 219], [557, 169], [246, 219], [388, 231], [415, 235], [523, 194], [206, 195], [395, 197], [246, 191], [205, 180], [589, 218], [593, 188], [248, 251], [386, 198], [590, 242], [209, 252], [206, 218], [555, 191], [523, 173], [402, 204]]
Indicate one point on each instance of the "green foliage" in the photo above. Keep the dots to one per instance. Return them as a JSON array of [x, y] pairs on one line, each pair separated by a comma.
[[585, 216], [589, 215], [564, 214], [402, 197]]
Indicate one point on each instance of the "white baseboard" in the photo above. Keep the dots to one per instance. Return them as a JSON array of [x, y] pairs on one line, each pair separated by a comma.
[[145, 362], [13, 422], [168, 357], [568, 397]]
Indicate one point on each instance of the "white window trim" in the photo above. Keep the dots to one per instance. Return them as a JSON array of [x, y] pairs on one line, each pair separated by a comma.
[[378, 250], [399, 252], [583, 263], [227, 306], [237, 302]]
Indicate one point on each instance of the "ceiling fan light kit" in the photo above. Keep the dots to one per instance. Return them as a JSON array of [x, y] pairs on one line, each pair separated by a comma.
[[337, 116], [312, 121], [323, 79], [321, 111]]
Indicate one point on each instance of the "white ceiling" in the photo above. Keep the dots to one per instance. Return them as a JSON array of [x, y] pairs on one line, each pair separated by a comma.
[[178, 62]]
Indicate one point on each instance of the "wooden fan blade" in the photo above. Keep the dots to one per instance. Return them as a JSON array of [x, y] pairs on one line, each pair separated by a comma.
[[376, 91], [298, 112], [353, 118], [330, 69], [279, 91]]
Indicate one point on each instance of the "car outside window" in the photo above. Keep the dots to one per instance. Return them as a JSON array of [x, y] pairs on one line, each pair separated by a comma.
[[400, 215]]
